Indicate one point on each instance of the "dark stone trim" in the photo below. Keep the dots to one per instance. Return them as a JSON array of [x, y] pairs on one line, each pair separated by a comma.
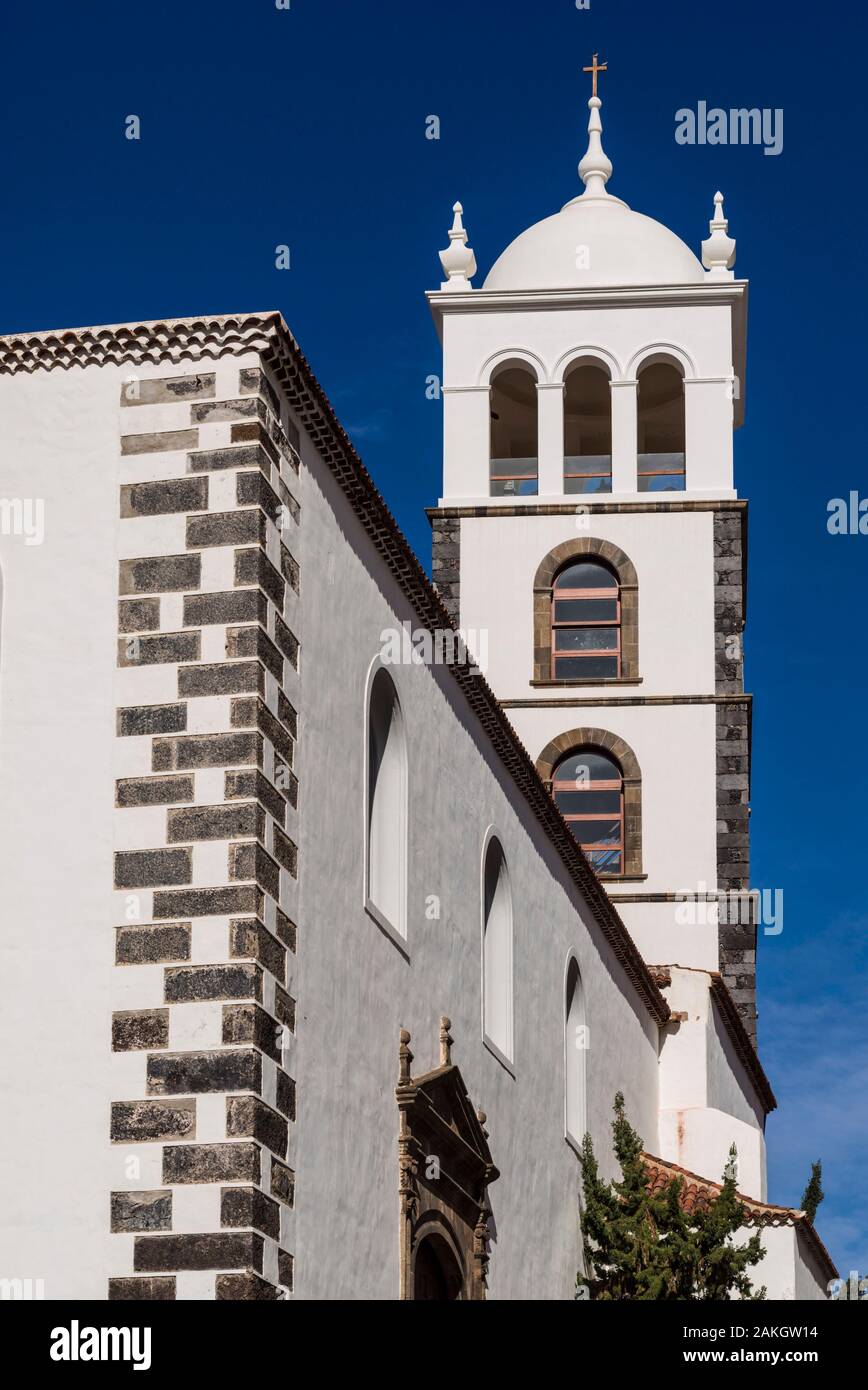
[[579, 681], [129, 1290], [572, 701], [446, 564], [438, 514], [736, 944], [259, 636]]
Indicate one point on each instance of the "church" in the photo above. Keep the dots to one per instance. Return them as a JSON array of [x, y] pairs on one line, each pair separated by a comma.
[[325, 946]]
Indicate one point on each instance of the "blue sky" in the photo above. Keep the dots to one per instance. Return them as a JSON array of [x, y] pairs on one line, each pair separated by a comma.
[[306, 127]]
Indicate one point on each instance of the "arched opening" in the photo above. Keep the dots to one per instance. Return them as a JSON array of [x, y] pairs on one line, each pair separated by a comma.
[[660, 444], [497, 951], [437, 1275], [514, 432], [387, 805], [575, 1051], [588, 788], [587, 430], [586, 622]]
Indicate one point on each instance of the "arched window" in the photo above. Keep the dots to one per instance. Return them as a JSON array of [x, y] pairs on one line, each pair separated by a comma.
[[588, 788], [586, 622], [575, 1051], [497, 951], [661, 428], [514, 461], [587, 431], [386, 876]]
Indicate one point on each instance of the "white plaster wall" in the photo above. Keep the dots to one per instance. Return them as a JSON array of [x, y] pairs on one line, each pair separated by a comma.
[[699, 1140], [662, 938], [59, 688], [58, 441], [789, 1270], [707, 1100], [812, 1281], [356, 989], [673, 554]]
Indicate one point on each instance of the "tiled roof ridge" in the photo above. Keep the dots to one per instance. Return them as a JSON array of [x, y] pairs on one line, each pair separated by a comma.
[[757, 1213]]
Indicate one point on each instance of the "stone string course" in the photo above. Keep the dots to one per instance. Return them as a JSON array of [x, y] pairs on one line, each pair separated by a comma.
[[206, 866]]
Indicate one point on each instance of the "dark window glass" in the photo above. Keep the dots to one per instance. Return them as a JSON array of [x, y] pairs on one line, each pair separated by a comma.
[[585, 574], [589, 792], [586, 639], [586, 610], [586, 622], [588, 802], [586, 668]]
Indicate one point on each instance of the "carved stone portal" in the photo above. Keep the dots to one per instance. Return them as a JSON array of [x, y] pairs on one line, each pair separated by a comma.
[[444, 1170]]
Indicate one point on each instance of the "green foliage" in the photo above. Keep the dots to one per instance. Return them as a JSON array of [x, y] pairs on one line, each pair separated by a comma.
[[813, 1193], [642, 1246]]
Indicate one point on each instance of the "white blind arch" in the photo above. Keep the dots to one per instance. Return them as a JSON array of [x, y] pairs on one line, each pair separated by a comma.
[[497, 1002], [386, 808], [575, 1054]]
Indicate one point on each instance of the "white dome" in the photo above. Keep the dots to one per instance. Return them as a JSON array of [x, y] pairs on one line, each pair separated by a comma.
[[593, 242]]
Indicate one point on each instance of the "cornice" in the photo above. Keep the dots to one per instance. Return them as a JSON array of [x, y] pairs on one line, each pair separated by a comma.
[[602, 297]]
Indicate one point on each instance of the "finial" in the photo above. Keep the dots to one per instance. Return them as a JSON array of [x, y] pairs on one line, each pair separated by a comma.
[[458, 260], [405, 1058], [446, 1041], [718, 250], [595, 169]]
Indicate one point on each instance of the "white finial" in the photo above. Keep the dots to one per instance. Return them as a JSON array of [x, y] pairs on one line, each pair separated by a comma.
[[718, 251], [458, 260], [595, 169]]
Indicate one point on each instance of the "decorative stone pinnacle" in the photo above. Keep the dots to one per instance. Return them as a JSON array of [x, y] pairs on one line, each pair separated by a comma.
[[458, 260], [405, 1058], [446, 1041], [718, 250]]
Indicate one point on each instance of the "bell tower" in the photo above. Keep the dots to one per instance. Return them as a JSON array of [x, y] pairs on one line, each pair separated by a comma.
[[590, 526]]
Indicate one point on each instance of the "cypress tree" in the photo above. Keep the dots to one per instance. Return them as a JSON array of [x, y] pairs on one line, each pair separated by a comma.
[[640, 1245], [813, 1193]]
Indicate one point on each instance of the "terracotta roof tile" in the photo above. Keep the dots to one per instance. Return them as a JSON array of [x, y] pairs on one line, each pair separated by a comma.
[[697, 1192]]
